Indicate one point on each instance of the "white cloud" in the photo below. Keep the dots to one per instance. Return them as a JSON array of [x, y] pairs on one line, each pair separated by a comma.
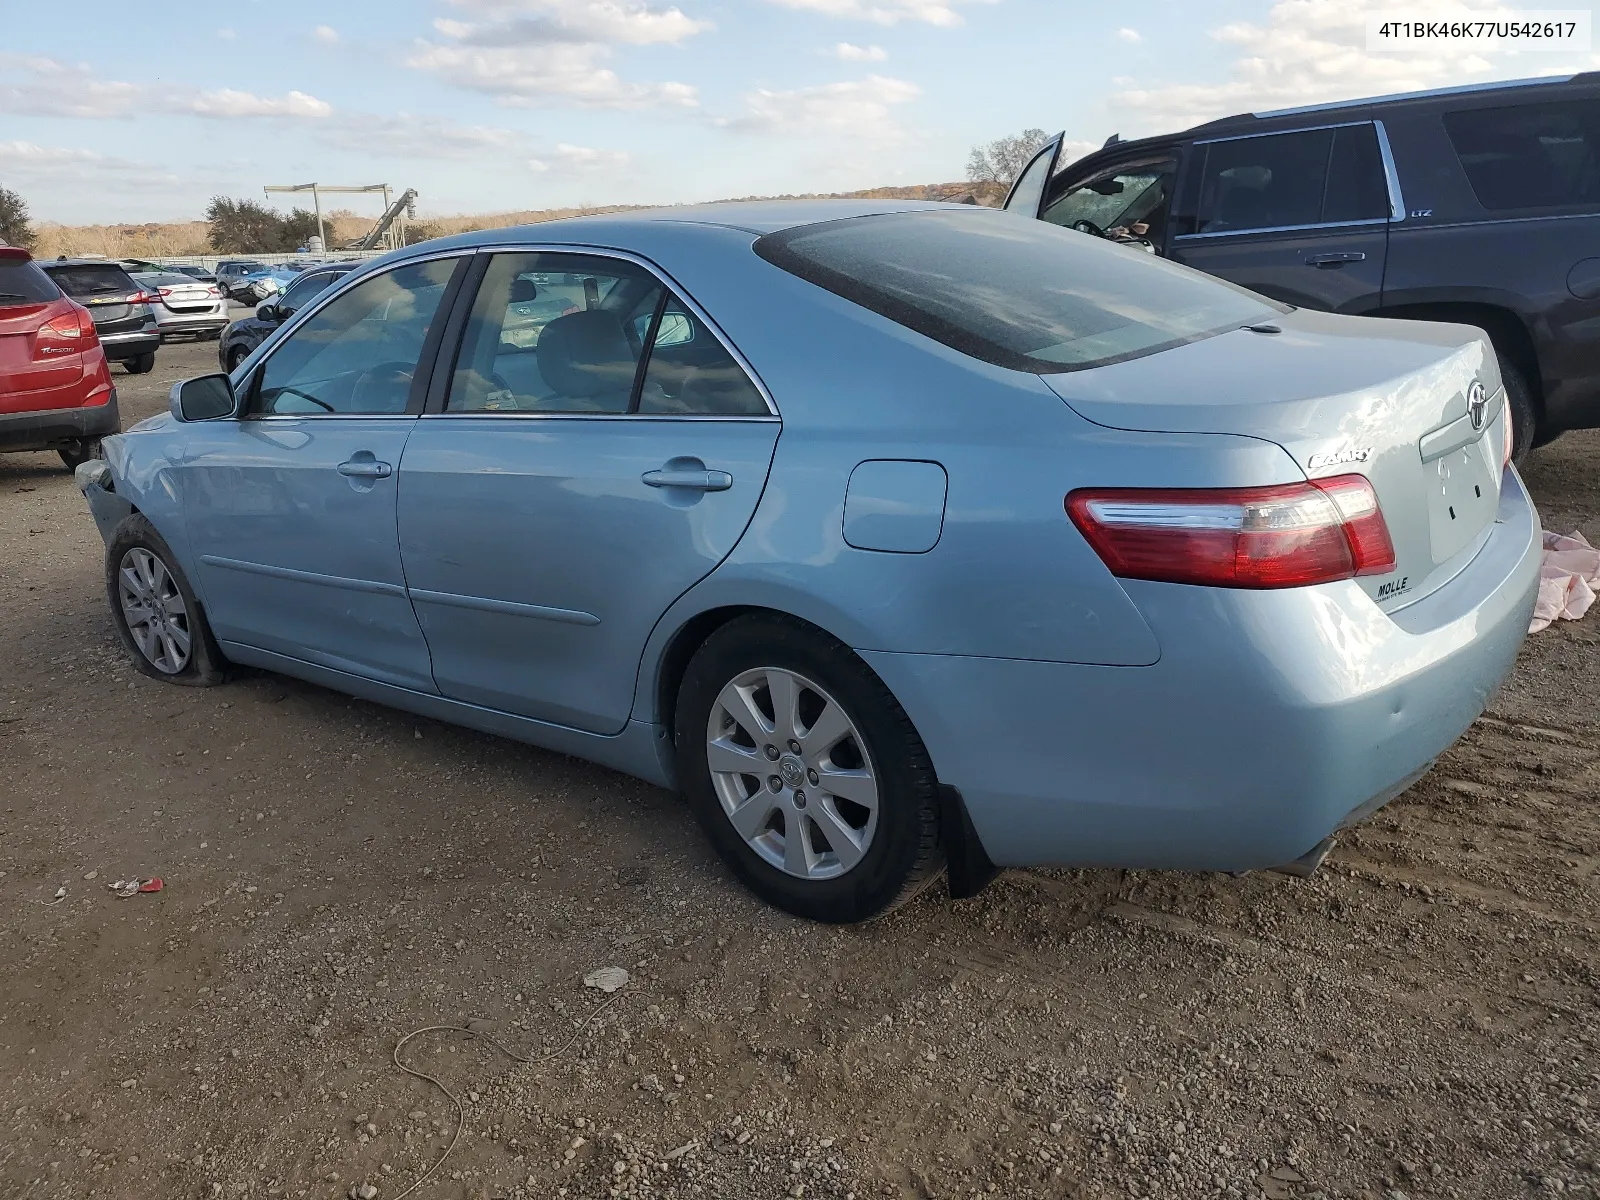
[[1314, 51], [886, 12], [852, 53], [1130, 35], [407, 136], [530, 52], [326, 34], [227, 35], [572, 159], [46, 88], [28, 163], [861, 109]]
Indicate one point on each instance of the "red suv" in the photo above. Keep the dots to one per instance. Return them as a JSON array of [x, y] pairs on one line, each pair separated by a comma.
[[55, 387]]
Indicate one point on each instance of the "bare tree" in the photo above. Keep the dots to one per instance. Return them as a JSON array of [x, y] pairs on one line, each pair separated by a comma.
[[1001, 161], [15, 228]]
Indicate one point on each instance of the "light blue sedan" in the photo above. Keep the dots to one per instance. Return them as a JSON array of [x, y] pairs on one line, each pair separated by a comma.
[[899, 537]]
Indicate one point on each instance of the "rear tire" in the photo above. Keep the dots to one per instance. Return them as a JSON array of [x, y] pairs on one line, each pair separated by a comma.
[[80, 451], [236, 356], [1524, 420], [141, 365], [839, 856], [154, 610]]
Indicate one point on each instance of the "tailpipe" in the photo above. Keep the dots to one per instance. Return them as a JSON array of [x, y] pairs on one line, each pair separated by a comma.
[[1306, 865]]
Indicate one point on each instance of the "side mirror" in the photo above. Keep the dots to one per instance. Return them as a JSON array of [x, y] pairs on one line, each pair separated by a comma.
[[203, 398], [267, 312]]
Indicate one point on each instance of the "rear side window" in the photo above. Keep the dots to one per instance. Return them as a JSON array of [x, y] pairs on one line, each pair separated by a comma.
[[1287, 180], [93, 280], [1026, 295], [1532, 155], [24, 283]]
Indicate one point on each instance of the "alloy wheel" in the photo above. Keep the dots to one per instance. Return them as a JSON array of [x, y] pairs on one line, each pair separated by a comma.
[[154, 609], [793, 773]]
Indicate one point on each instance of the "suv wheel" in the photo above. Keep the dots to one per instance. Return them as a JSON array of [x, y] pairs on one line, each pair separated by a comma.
[[79, 451], [141, 365], [805, 772], [160, 623], [236, 356]]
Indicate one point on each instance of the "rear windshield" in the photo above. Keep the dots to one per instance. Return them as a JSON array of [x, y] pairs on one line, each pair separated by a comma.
[[24, 283], [92, 280], [1022, 294]]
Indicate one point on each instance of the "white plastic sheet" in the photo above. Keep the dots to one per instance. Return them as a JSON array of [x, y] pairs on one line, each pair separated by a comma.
[[1568, 579]]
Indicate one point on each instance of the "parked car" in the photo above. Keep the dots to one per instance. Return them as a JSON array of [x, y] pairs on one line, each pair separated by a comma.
[[1066, 554], [189, 269], [245, 334], [55, 387], [1478, 205], [184, 306], [231, 270], [264, 284], [123, 319]]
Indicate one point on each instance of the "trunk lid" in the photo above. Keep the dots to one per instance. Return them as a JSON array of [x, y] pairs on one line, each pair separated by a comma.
[[1416, 407], [26, 379]]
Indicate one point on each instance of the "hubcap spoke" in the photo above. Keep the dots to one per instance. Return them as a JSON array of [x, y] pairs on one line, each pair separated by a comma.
[[798, 858], [737, 703], [750, 818], [785, 693], [153, 607], [840, 836], [827, 731], [721, 755], [857, 786]]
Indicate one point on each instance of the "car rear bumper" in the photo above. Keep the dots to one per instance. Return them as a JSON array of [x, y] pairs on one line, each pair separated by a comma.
[[173, 324], [120, 347], [1272, 719], [51, 427]]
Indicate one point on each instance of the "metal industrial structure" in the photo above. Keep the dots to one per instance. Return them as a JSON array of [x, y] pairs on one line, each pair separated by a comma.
[[389, 232]]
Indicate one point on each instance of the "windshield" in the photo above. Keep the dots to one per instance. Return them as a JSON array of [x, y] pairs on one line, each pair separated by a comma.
[[1022, 294]]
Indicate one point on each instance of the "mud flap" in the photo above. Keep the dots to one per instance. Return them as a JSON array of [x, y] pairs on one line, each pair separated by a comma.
[[967, 865]]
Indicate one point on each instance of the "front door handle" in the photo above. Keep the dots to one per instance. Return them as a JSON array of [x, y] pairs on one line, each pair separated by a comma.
[[697, 479], [1335, 260], [365, 468]]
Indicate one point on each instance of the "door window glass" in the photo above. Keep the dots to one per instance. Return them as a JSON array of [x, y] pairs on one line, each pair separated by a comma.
[[691, 372], [1121, 197], [1028, 190], [554, 333], [1263, 182], [359, 353], [302, 290], [1530, 156], [1357, 187]]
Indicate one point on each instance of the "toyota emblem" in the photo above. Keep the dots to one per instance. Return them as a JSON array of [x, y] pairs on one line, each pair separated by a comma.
[[1477, 404]]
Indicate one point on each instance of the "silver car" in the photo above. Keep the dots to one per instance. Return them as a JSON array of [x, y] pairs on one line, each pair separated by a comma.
[[184, 306]]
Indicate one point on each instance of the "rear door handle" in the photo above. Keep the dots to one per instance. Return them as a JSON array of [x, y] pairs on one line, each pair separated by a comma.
[[1335, 260], [697, 479], [365, 468]]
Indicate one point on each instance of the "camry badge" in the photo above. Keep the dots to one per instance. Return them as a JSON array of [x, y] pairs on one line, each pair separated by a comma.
[[1477, 404], [1350, 454]]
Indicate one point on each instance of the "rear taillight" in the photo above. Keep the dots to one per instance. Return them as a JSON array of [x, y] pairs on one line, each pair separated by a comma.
[[70, 333], [166, 291], [213, 290], [1290, 535], [1510, 436], [142, 298]]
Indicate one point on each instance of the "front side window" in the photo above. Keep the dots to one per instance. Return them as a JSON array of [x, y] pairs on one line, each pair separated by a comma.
[[1025, 295], [1532, 155], [571, 333], [1119, 198], [358, 354]]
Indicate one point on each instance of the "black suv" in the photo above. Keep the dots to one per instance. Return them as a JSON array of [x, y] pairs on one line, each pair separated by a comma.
[[123, 318], [244, 335], [1478, 205]]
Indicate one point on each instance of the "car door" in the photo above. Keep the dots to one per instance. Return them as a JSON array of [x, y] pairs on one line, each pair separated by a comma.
[[291, 505], [1027, 191], [1301, 215], [597, 450], [1133, 194]]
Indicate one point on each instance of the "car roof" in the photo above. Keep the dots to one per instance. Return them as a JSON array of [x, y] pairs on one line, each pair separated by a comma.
[[48, 263]]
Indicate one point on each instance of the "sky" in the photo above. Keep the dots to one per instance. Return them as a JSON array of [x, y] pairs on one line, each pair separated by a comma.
[[112, 114]]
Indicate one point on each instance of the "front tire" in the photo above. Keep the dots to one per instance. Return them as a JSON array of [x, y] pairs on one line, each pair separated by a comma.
[[1524, 420], [159, 621], [805, 772], [237, 355]]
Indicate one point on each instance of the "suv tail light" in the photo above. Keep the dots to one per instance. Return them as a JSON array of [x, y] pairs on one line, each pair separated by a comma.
[[1289, 535], [70, 333], [142, 297]]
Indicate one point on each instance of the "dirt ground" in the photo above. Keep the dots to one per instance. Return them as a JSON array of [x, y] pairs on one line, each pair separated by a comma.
[[1418, 1020]]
